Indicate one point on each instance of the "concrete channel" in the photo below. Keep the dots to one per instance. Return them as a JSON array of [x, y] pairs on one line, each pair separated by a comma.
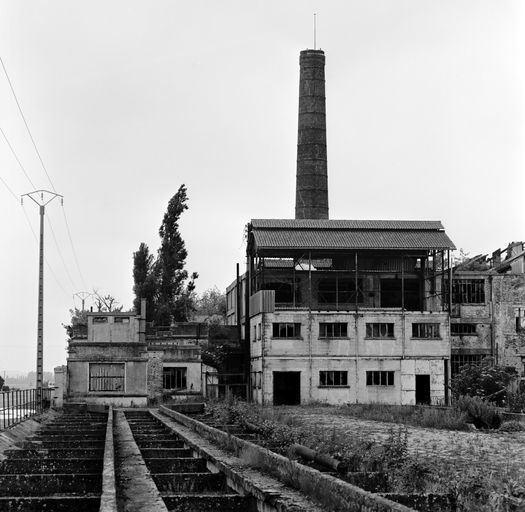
[[58, 468]]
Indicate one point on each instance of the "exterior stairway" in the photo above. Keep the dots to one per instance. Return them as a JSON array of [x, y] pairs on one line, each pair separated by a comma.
[[57, 469], [184, 482]]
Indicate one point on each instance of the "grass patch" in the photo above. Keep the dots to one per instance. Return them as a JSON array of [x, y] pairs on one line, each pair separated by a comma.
[[473, 488], [417, 416]]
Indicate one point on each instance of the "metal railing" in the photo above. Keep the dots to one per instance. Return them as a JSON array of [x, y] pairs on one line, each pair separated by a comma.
[[19, 405]]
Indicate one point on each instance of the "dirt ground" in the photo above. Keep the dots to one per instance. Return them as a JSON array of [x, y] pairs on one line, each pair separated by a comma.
[[489, 450]]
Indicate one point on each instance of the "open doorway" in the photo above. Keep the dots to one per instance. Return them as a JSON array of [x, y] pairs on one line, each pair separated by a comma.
[[423, 389], [286, 388]]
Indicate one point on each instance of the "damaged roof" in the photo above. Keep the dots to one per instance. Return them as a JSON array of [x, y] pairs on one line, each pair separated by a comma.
[[325, 234]]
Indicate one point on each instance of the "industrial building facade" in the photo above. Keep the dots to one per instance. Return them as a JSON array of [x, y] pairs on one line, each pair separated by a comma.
[[346, 311]]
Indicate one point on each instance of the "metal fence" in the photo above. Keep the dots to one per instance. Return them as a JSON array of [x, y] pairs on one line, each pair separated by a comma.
[[19, 405]]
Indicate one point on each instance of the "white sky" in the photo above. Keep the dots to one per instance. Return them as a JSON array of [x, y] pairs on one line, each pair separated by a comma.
[[129, 99]]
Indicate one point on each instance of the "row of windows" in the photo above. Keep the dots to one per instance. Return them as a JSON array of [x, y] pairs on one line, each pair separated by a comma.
[[116, 319], [338, 378], [340, 330]]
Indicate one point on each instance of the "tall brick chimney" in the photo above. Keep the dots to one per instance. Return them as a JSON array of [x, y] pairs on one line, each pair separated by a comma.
[[311, 193]]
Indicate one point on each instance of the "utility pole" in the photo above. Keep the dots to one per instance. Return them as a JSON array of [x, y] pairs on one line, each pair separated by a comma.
[[41, 198], [82, 296]]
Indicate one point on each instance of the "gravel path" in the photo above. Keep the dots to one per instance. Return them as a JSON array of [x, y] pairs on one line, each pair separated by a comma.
[[493, 451]]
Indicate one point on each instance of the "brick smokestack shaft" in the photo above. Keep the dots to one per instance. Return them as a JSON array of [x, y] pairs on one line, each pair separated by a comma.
[[311, 194]]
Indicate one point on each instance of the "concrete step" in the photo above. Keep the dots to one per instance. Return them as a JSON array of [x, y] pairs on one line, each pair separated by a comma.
[[190, 482], [46, 466], [83, 503], [53, 445], [180, 465], [208, 503], [67, 437], [165, 453], [74, 453], [155, 443], [45, 485]]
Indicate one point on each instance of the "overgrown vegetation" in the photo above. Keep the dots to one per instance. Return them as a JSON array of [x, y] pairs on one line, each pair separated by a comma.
[[484, 380], [472, 487]]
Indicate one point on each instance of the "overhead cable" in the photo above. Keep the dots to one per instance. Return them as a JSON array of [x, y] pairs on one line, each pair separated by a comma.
[[16, 157], [73, 247], [60, 252], [26, 125]]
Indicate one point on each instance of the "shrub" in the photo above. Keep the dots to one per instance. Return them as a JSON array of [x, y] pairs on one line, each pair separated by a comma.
[[512, 426], [484, 380], [449, 419], [516, 402], [481, 412]]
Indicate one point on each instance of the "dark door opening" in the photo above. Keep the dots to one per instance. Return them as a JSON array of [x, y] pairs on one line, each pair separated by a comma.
[[286, 388], [423, 389]]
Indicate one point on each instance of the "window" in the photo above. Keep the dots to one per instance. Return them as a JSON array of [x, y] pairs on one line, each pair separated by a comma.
[[286, 330], [520, 319], [425, 330], [258, 331], [468, 291], [106, 377], [122, 319], [174, 378], [457, 361], [100, 319], [332, 379], [284, 292], [333, 330], [339, 291], [379, 378], [379, 330], [463, 329]]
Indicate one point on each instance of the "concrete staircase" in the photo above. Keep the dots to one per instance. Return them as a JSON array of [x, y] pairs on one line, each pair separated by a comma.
[[184, 482], [57, 469]]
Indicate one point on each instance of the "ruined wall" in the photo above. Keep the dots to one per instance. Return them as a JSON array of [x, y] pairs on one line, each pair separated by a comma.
[[155, 376], [509, 293]]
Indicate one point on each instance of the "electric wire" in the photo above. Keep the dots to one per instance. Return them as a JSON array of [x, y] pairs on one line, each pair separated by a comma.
[[73, 248], [9, 188], [41, 162], [60, 252], [16, 157], [26, 125]]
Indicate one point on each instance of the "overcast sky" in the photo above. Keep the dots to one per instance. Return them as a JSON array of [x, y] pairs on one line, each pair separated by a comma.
[[127, 100]]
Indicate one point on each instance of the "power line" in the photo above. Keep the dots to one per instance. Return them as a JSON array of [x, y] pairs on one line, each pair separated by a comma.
[[26, 125], [73, 247], [60, 252], [16, 157], [9, 188]]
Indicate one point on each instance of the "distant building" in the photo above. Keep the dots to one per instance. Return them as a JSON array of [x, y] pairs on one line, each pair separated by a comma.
[[115, 359]]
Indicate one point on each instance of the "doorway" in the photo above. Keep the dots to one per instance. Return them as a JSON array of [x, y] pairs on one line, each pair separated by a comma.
[[286, 388], [423, 389]]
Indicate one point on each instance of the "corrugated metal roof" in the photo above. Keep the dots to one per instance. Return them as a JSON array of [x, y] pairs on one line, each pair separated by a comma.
[[345, 224], [352, 234]]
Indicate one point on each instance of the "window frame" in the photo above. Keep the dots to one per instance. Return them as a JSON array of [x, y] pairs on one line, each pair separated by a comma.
[[372, 326], [426, 331], [98, 381], [183, 377], [380, 378], [292, 330], [325, 327], [328, 378]]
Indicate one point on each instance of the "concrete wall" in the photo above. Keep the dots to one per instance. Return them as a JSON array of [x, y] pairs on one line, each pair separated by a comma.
[[117, 327], [355, 354], [134, 382]]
